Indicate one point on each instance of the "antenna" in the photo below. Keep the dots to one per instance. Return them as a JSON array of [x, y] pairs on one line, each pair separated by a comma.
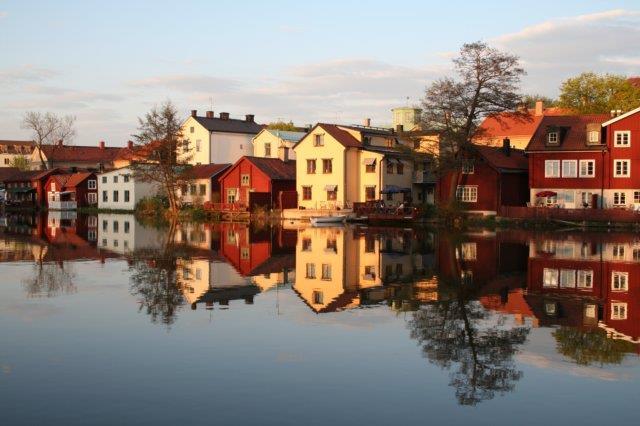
[[408, 100], [210, 103]]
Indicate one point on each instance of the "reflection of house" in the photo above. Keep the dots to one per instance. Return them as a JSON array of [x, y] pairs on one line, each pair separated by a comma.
[[95, 158], [68, 191], [205, 186], [270, 143], [121, 233], [10, 150], [119, 189]]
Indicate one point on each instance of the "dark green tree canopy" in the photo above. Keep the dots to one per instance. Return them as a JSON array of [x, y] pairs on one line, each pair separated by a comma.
[[591, 93]]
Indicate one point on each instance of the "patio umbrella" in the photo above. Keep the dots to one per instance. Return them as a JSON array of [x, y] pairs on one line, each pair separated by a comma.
[[546, 194]]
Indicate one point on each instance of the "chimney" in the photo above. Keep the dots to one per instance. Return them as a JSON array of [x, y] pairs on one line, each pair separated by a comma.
[[194, 112], [209, 114], [506, 146], [539, 108], [249, 118], [618, 112], [224, 115], [366, 122], [101, 144], [130, 144], [399, 128], [60, 142], [612, 113]]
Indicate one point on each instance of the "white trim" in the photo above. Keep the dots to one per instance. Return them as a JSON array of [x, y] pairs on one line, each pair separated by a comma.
[[575, 168], [586, 161], [620, 117], [558, 162], [621, 132], [626, 175]]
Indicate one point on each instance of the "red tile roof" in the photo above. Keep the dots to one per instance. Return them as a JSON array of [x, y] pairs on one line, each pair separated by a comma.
[[575, 134], [206, 171], [71, 180], [137, 152], [514, 124], [498, 158], [77, 153], [275, 168]]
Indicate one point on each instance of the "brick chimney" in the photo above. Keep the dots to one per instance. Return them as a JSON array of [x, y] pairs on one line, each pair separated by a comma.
[[224, 115], [101, 144], [249, 118], [209, 114], [130, 144], [60, 142], [506, 146], [539, 108], [194, 112], [366, 122]]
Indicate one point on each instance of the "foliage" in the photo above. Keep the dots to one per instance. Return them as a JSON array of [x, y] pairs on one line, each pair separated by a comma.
[[587, 347], [151, 206], [21, 162], [48, 129], [282, 125], [529, 101], [591, 93], [167, 153]]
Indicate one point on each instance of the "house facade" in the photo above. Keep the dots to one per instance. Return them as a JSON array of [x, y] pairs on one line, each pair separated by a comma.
[[204, 185], [338, 165], [68, 191], [219, 139], [94, 158], [270, 143], [10, 150], [119, 189], [257, 180], [490, 177]]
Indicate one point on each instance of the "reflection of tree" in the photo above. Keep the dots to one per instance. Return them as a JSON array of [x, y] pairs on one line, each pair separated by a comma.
[[458, 332], [586, 347], [50, 279]]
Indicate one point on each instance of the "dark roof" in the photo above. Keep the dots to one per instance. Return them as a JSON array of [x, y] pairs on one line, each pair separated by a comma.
[[76, 153], [345, 138], [16, 147], [71, 180], [274, 168], [7, 172], [230, 125], [22, 175], [205, 171], [574, 133], [497, 158]]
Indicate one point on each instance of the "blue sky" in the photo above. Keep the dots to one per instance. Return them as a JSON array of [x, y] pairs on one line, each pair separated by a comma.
[[108, 62]]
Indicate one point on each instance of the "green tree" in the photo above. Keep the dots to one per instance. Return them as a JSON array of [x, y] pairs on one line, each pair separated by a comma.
[[282, 125], [530, 101], [587, 347], [21, 162], [591, 93]]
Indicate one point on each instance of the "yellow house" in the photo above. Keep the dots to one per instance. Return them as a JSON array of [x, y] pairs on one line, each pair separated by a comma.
[[338, 165], [10, 150], [270, 143]]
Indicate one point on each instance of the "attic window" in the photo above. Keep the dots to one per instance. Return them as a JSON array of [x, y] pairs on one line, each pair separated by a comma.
[[552, 138], [594, 137], [319, 140]]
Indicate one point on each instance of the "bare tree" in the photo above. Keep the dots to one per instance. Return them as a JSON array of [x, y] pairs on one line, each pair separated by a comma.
[[165, 151], [47, 129], [485, 84]]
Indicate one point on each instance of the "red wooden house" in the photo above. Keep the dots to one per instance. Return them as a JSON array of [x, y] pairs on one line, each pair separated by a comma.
[[256, 181], [26, 188], [490, 177], [72, 190]]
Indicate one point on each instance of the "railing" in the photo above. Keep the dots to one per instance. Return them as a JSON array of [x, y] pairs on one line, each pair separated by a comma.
[[373, 210], [63, 205], [225, 207], [423, 177], [572, 215]]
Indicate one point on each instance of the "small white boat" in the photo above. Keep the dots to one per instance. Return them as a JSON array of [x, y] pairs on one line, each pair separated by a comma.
[[328, 220]]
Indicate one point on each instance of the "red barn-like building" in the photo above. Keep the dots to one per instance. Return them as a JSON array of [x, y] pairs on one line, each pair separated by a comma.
[[72, 190]]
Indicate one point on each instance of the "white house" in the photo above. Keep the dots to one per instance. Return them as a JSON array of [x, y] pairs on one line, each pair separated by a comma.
[[218, 139], [119, 190], [121, 233]]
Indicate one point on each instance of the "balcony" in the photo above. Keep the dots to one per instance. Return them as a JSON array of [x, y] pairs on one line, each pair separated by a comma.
[[62, 205], [423, 177]]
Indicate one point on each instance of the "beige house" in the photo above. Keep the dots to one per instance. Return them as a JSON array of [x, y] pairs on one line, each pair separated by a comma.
[[337, 166], [10, 150], [204, 186], [270, 143]]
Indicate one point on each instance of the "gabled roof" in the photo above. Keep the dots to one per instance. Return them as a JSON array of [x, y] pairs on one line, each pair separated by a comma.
[[206, 171], [274, 168], [343, 137], [497, 158], [71, 180], [575, 133], [230, 125], [286, 135], [515, 124], [77, 153], [621, 117]]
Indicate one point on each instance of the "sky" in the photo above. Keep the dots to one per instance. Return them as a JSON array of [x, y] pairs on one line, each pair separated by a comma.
[[109, 62]]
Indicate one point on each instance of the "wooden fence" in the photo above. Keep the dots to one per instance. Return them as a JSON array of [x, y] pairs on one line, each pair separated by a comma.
[[571, 215]]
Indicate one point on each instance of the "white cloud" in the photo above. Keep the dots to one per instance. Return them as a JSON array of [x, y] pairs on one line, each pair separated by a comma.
[[189, 83], [12, 77]]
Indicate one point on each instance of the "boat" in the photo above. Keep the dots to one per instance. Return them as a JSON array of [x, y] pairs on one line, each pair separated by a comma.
[[328, 220]]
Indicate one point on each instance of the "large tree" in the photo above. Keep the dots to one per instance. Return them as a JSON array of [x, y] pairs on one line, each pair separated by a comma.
[[48, 129], [166, 153], [591, 93], [485, 82]]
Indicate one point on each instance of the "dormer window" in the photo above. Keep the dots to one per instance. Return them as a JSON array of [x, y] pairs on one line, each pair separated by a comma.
[[552, 138], [594, 137]]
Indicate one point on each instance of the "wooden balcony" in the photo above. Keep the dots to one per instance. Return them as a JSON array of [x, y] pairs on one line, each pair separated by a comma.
[[62, 205]]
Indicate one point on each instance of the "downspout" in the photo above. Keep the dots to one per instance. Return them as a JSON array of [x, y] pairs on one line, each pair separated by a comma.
[[602, 182], [344, 177], [382, 161]]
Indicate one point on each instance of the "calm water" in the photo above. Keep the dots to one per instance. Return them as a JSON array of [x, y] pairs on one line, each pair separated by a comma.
[[106, 321]]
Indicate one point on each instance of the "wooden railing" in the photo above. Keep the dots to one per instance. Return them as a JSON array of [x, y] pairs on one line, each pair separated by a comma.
[[225, 207], [571, 215], [62, 205]]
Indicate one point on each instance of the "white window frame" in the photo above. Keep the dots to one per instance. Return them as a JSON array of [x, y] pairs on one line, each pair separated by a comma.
[[553, 138], [618, 311], [92, 184], [619, 198], [467, 193], [92, 198], [585, 279], [567, 164], [591, 137], [550, 278], [567, 278], [556, 168], [468, 167], [622, 134], [619, 281], [621, 174], [585, 164], [636, 197], [245, 179]]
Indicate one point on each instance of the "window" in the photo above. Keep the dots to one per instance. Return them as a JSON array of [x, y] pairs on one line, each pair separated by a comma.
[[306, 244], [203, 189], [318, 297], [567, 278], [245, 180], [105, 196], [622, 138], [618, 252], [306, 192], [92, 235], [92, 184], [636, 254], [370, 272], [467, 167], [311, 167], [192, 189], [466, 277], [104, 242], [552, 168], [116, 226], [105, 225], [569, 168], [115, 179], [618, 311], [244, 253], [53, 186], [318, 140], [550, 308], [311, 270], [585, 280], [92, 221], [267, 150], [104, 179], [370, 165], [326, 271], [198, 274], [619, 281], [549, 277], [636, 197], [198, 142], [327, 166], [115, 196], [127, 227], [467, 194], [593, 137], [552, 138], [621, 168], [126, 196], [332, 245], [469, 251], [390, 167], [332, 194], [231, 195], [6, 161], [370, 193], [92, 198], [126, 178], [619, 198], [587, 168], [400, 168], [191, 129]]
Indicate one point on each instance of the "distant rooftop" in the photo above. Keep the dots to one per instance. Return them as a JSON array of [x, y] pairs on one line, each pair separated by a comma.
[[224, 123], [287, 135]]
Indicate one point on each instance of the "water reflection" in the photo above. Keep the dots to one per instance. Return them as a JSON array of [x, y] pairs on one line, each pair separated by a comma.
[[470, 301]]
